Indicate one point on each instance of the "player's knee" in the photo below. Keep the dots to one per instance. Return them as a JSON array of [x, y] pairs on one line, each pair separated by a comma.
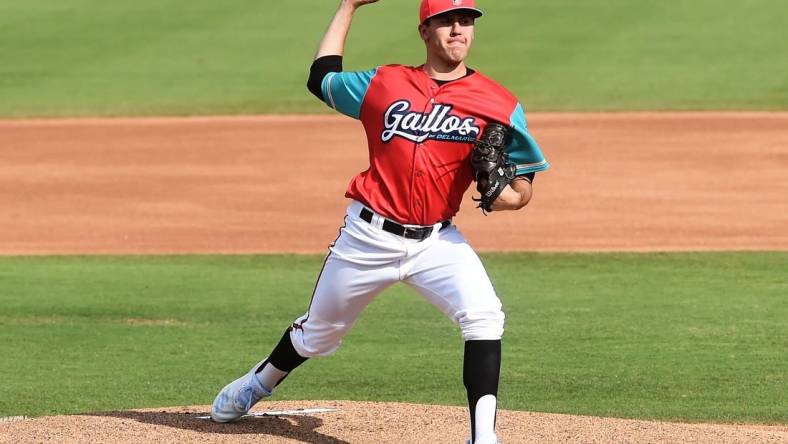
[[314, 338], [485, 324]]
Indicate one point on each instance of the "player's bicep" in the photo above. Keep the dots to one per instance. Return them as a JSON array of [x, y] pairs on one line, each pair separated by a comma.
[[523, 150], [345, 91]]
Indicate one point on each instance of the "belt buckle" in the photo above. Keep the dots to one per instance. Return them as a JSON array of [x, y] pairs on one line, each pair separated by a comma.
[[417, 233]]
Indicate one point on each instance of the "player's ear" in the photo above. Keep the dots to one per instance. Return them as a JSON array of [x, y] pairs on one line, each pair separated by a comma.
[[423, 31]]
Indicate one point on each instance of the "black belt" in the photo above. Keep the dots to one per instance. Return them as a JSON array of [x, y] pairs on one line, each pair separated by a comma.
[[418, 233]]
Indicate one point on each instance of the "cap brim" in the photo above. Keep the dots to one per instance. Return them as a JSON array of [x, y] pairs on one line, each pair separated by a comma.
[[476, 12]]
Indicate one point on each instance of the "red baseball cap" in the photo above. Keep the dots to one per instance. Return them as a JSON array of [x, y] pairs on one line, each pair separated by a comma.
[[431, 8]]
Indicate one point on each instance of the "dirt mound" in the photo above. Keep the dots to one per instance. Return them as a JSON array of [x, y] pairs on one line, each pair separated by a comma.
[[367, 422]]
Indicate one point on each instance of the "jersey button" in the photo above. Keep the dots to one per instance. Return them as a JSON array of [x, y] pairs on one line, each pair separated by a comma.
[[419, 174]]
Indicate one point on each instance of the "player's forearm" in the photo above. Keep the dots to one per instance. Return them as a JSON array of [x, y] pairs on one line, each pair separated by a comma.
[[514, 196], [333, 42]]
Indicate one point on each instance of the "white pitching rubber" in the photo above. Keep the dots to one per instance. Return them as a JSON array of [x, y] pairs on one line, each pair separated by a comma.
[[294, 412], [12, 418]]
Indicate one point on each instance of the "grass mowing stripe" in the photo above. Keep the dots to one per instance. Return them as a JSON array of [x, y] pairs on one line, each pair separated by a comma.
[[86, 57], [684, 336]]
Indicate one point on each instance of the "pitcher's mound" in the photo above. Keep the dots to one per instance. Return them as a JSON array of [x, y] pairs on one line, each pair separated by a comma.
[[366, 422]]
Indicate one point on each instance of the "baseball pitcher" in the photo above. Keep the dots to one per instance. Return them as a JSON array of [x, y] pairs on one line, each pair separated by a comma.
[[432, 131]]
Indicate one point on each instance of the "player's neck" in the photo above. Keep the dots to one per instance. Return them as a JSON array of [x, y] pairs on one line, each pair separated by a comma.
[[441, 70]]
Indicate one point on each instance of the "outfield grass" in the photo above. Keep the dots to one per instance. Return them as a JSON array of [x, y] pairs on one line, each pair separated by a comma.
[[690, 336], [90, 57]]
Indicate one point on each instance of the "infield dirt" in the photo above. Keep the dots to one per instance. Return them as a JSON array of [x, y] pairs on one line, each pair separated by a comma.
[[643, 181], [618, 182]]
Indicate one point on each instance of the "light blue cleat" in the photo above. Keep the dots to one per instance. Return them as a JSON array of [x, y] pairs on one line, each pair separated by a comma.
[[237, 397]]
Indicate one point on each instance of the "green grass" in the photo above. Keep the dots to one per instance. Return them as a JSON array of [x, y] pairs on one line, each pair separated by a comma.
[[88, 57], [685, 336]]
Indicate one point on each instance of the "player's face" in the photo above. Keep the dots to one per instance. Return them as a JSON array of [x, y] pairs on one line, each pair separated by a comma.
[[449, 36]]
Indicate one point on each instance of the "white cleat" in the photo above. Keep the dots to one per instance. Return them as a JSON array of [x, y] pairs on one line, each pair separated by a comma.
[[237, 397]]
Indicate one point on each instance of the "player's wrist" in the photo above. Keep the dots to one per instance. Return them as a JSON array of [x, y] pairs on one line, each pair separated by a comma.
[[513, 197], [346, 8], [353, 4]]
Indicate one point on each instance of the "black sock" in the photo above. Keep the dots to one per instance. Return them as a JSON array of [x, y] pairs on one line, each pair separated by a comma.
[[284, 357], [481, 370]]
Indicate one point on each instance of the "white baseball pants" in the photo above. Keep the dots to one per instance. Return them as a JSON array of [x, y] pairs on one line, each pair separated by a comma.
[[365, 260]]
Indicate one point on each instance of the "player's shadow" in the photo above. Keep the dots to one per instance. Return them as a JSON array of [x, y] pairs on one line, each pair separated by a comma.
[[299, 428]]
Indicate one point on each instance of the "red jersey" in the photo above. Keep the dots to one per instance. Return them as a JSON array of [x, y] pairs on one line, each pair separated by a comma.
[[420, 136]]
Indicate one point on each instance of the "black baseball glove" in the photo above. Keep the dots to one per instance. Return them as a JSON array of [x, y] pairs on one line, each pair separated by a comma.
[[491, 166]]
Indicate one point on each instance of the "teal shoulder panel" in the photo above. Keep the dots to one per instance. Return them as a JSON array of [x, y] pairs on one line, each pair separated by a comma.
[[522, 149], [345, 91]]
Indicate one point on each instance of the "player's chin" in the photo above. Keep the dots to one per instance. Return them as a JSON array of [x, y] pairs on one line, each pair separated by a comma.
[[456, 54]]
